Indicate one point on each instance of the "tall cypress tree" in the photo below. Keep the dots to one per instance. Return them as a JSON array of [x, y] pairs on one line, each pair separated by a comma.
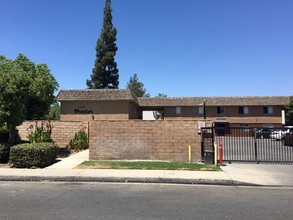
[[105, 73]]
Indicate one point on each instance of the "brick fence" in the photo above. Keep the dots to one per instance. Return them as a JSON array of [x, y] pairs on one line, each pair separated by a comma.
[[144, 140], [62, 131], [129, 139]]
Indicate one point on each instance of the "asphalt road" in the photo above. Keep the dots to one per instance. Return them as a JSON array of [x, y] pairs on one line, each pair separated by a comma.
[[70, 201]]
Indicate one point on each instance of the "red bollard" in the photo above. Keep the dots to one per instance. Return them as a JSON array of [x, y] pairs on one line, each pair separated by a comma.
[[221, 152]]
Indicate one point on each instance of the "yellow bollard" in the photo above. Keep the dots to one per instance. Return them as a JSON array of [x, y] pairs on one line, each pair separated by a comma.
[[215, 154], [189, 154]]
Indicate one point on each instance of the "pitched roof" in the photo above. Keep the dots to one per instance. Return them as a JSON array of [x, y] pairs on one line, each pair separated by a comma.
[[126, 94], [96, 94], [214, 101]]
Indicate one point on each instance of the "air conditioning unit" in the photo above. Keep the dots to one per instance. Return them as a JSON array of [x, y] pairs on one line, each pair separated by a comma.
[[149, 115]]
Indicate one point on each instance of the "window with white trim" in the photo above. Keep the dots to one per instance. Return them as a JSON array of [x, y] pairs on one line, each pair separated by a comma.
[[268, 110], [176, 110], [243, 110], [220, 110], [268, 125], [199, 110]]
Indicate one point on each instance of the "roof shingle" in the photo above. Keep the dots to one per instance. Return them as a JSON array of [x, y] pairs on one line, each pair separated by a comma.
[[125, 94], [214, 101], [96, 94]]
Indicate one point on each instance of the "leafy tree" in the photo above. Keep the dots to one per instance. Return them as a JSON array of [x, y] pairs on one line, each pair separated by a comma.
[[54, 112], [161, 95], [289, 112], [26, 91], [42, 86], [137, 87], [105, 73]]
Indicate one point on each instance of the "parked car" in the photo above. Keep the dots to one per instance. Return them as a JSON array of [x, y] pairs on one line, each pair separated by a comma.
[[279, 134], [263, 133], [288, 138]]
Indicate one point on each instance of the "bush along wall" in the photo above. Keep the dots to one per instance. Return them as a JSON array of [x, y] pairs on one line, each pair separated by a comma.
[[39, 134], [4, 153], [79, 141], [33, 155]]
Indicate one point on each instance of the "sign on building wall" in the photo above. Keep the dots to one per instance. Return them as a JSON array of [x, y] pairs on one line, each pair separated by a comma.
[[200, 124], [83, 110]]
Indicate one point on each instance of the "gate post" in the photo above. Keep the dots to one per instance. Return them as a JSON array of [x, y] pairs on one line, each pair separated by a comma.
[[221, 151], [255, 145], [202, 145]]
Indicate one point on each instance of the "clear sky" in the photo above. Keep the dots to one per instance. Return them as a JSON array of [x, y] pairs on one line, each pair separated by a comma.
[[176, 47]]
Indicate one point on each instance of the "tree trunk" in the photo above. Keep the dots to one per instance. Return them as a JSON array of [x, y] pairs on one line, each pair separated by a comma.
[[12, 134]]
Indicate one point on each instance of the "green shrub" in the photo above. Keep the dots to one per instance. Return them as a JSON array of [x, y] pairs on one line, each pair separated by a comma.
[[4, 153], [80, 141], [33, 155], [41, 133], [4, 134]]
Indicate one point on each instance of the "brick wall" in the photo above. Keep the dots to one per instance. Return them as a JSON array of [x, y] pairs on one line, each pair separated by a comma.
[[62, 131], [145, 140]]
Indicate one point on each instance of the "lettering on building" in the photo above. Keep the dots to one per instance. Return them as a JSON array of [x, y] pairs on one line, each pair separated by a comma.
[[82, 110]]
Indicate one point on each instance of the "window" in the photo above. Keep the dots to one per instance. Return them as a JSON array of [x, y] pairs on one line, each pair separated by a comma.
[[199, 110], [244, 125], [220, 110], [176, 110], [243, 110], [268, 110], [268, 125]]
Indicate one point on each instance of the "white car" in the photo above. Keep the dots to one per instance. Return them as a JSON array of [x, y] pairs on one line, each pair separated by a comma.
[[279, 134]]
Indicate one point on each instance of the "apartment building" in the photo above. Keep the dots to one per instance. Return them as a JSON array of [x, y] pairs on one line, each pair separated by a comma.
[[122, 104]]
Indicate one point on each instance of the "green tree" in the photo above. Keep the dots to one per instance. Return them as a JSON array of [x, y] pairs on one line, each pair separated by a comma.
[[137, 87], [26, 91], [42, 86], [105, 73], [161, 95], [54, 112], [289, 112]]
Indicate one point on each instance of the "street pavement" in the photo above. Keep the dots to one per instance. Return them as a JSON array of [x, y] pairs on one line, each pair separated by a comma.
[[233, 174]]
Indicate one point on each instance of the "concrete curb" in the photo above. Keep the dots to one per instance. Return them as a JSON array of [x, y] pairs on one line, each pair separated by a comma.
[[126, 180]]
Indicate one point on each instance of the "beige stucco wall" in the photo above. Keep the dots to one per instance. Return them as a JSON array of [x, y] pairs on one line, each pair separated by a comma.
[[124, 110], [231, 115], [98, 110]]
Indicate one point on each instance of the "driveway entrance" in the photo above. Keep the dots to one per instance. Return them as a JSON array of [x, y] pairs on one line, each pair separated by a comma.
[[246, 145]]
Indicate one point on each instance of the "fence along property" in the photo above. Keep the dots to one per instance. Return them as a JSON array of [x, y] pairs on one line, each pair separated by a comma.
[[249, 144]]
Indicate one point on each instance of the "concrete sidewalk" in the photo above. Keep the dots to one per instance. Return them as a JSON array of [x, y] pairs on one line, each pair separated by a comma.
[[71, 161], [260, 174], [233, 174]]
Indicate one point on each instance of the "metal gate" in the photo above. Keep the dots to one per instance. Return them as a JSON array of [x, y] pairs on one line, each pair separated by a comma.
[[249, 144]]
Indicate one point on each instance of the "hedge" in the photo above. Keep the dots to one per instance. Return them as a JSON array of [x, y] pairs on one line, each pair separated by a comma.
[[4, 153], [33, 155]]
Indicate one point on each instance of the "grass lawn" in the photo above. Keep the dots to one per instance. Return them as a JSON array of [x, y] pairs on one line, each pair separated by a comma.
[[147, 165]]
